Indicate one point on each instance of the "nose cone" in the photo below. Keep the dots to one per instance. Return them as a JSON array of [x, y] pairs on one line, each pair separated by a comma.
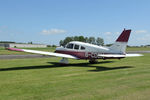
[[59, 49]]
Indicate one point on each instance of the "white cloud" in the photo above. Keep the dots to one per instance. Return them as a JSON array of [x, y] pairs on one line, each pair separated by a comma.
[[140, 31], [145, 38], [53, 31], [108, 33], [118, 33]]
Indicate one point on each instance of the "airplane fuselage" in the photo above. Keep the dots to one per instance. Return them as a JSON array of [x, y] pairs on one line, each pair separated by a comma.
[[85, 50]]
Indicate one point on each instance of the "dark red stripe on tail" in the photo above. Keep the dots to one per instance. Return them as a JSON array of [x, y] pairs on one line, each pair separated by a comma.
[[124, 37]]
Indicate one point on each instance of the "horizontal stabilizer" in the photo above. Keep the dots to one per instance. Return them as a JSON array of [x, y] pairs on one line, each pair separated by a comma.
[[118, 55], [133, 55], [44, 53]]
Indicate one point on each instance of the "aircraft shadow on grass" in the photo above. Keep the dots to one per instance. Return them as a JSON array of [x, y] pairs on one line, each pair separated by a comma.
[[57, 65]]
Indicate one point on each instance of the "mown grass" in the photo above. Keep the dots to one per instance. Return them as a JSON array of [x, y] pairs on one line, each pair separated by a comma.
[[138, 49], [45, 79]]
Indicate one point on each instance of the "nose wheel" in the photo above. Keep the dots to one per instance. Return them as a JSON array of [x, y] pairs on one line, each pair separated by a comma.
[[64, 61], [93, 61]]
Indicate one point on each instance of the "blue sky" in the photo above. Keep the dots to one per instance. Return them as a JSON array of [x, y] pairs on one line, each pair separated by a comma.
[[49, 21]]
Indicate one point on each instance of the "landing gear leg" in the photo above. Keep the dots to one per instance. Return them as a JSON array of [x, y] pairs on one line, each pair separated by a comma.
[[93, 61], [64, 61]]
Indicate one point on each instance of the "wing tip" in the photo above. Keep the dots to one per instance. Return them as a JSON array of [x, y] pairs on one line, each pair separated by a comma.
[[14, 49]]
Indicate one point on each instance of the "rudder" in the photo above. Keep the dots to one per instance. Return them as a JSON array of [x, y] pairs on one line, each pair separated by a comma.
[[121, 43]]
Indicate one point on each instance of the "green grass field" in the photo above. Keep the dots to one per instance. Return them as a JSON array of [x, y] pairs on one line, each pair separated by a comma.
[[138, 49], [45, 79]]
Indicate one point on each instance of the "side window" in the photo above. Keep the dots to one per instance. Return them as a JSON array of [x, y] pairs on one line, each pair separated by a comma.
[[76, 47], [82, 48], [70, 46]]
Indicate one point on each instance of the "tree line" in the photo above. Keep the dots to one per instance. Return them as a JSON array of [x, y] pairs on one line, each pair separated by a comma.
[[91, 40]]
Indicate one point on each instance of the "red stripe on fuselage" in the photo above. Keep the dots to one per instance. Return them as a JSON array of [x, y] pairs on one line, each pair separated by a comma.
[[85, 55], [77, 54]]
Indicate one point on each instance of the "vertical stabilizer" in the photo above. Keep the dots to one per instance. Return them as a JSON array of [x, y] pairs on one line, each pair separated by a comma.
[[121, 43]]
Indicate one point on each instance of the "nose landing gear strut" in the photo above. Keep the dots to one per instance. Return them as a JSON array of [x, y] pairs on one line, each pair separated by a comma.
[[64, 61]]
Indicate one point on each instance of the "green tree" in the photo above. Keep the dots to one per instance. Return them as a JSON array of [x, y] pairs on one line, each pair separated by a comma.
[[76, 38], [99, 41], [86, 39], [30, 42], [91, 40], [67, 40], [81, 38], [61, 43]]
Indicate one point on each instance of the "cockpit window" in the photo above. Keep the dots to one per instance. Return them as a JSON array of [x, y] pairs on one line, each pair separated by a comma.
[[70, 46], [76, 47], [82, 48]]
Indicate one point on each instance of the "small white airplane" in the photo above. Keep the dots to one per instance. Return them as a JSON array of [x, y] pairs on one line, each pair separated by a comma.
[[81, 50]]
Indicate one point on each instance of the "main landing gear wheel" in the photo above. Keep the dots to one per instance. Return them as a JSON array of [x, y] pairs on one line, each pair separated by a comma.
[[64, 61], [93, 61]]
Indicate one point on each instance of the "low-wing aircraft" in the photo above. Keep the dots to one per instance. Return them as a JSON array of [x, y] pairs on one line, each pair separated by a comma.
[[80, 50]]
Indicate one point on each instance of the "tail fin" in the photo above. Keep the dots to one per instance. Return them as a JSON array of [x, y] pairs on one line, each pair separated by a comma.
[[121, 43]]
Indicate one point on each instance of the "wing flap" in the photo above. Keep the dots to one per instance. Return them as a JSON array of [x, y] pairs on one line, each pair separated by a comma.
[[44, 53]]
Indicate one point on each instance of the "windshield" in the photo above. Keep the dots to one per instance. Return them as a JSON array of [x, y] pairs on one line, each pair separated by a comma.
[[69, 46]]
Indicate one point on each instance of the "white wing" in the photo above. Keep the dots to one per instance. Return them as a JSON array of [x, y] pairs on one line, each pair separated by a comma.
[[44, 53]]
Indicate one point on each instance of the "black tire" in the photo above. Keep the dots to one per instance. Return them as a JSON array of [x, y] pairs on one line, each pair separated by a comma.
[[93, 61]]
